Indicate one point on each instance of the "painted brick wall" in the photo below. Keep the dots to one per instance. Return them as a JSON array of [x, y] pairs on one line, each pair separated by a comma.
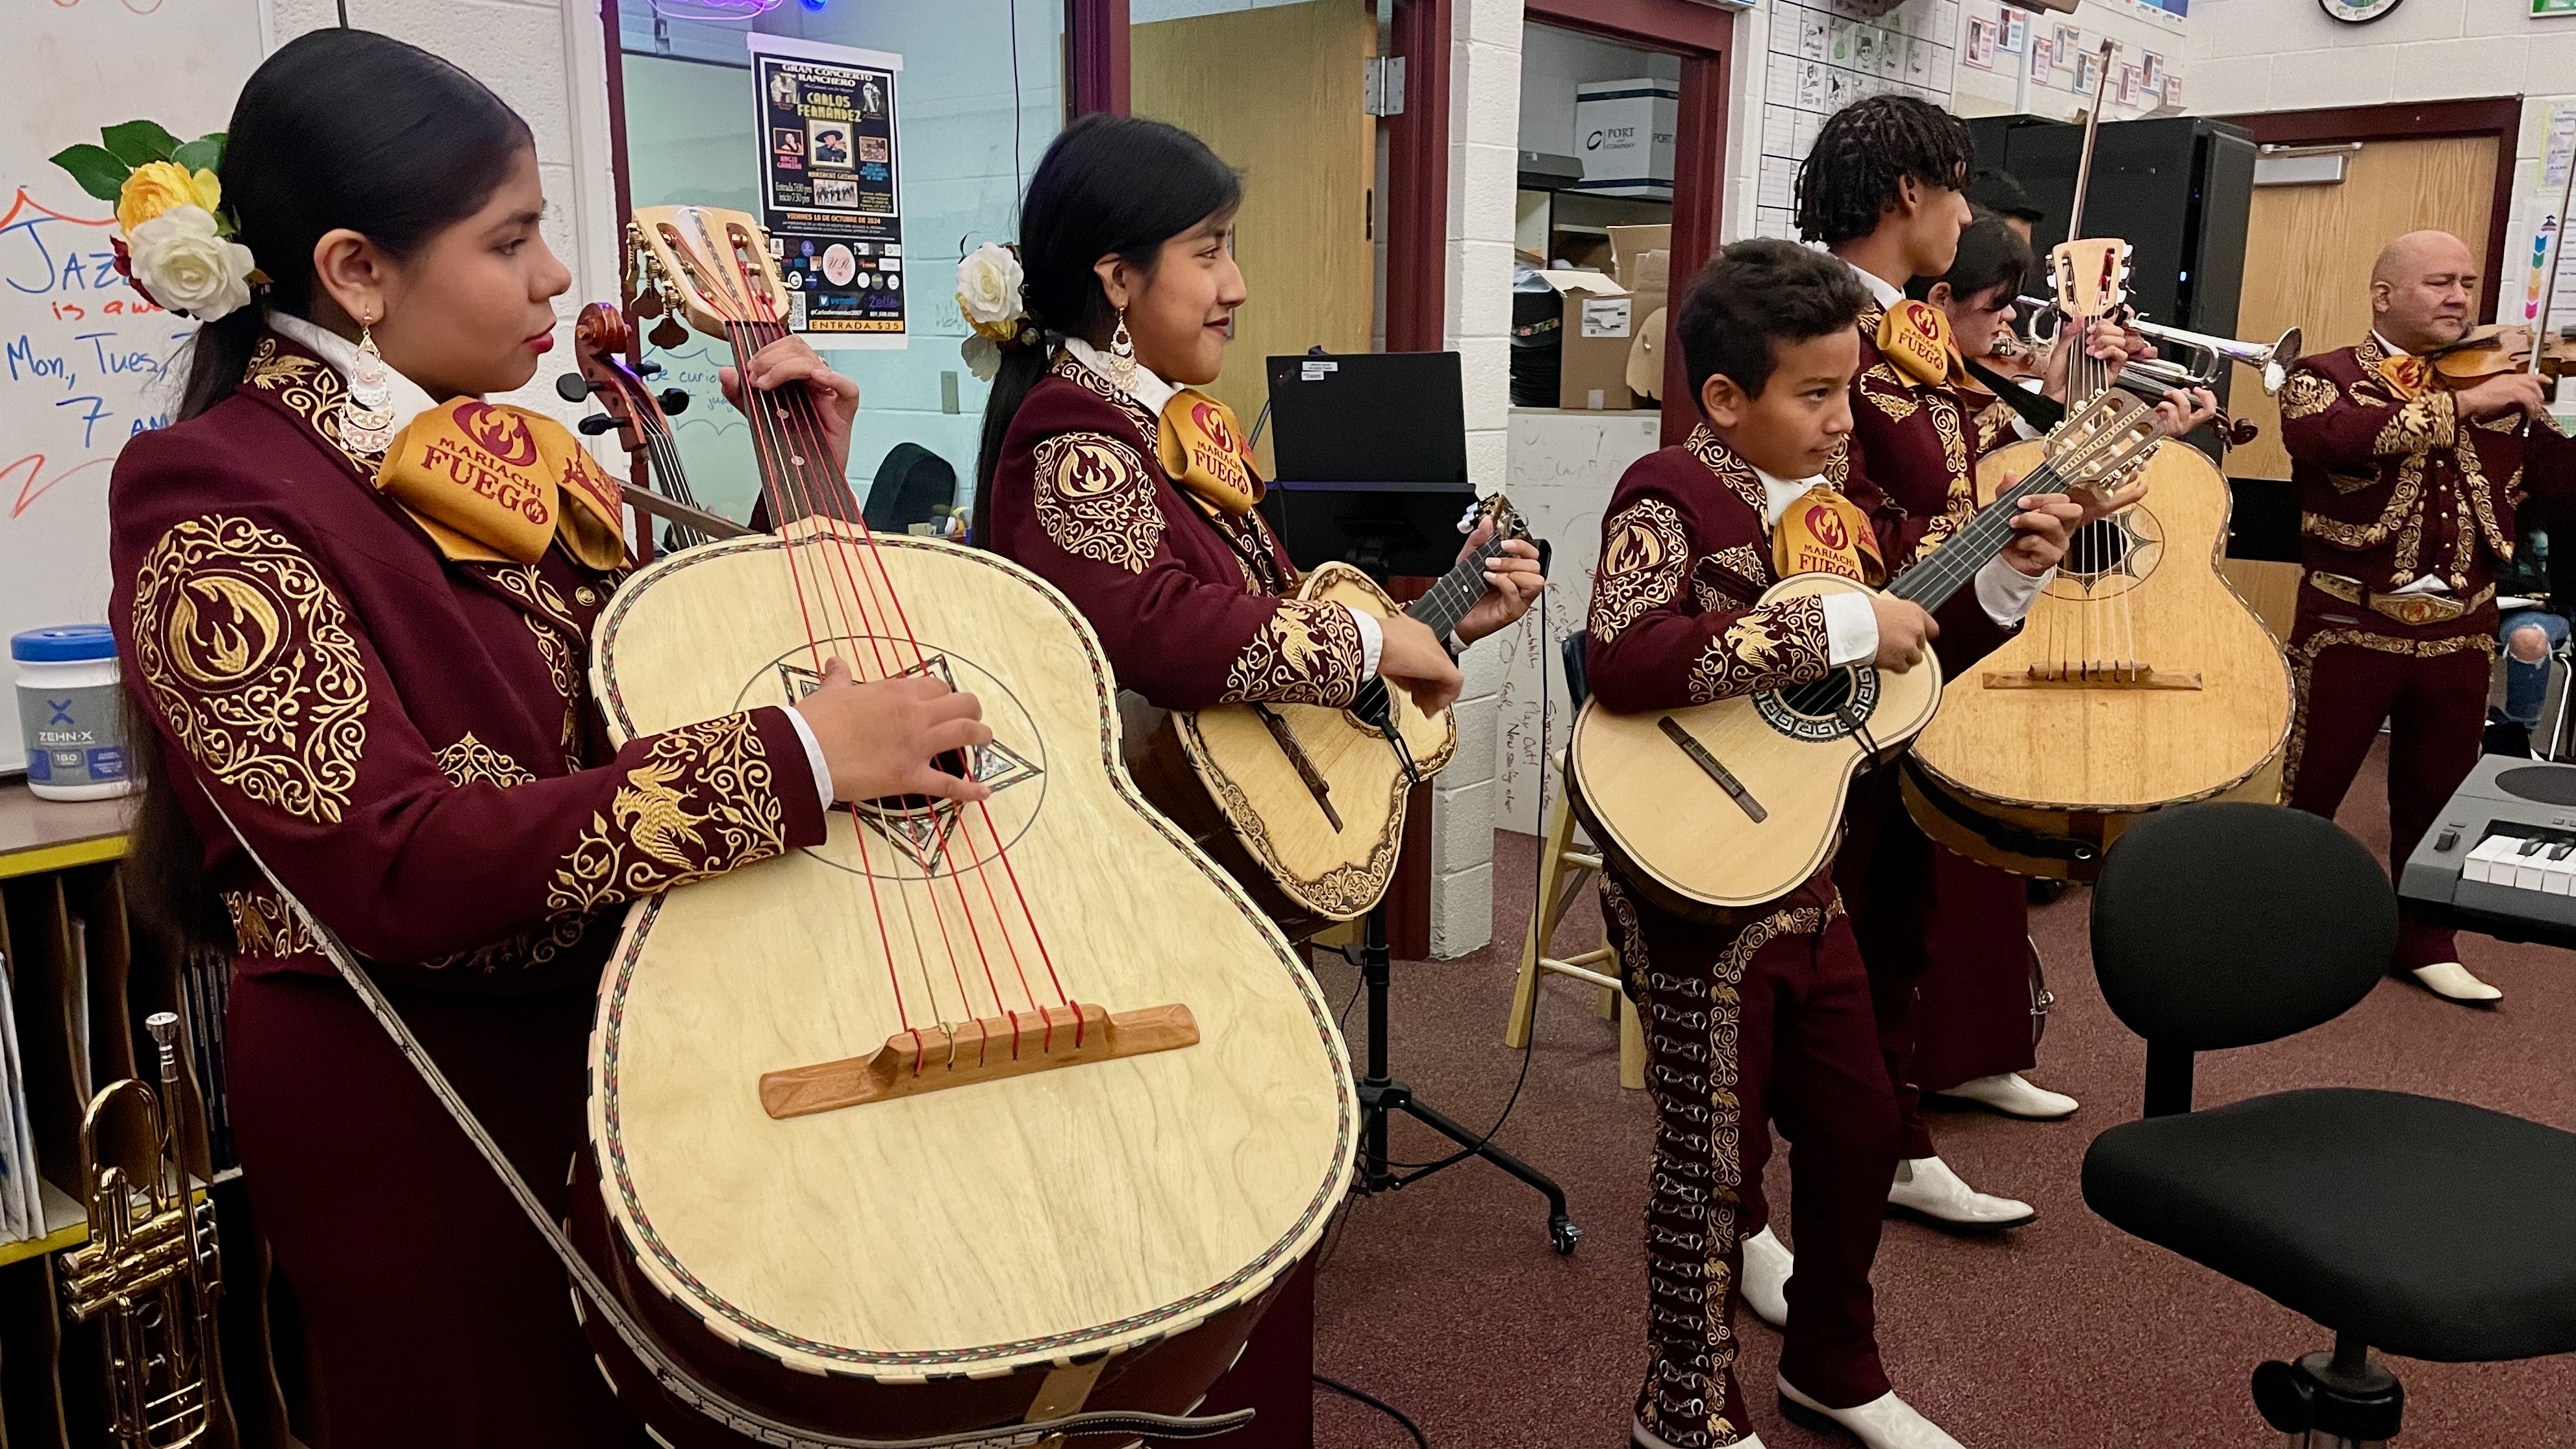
[[1484, 178]]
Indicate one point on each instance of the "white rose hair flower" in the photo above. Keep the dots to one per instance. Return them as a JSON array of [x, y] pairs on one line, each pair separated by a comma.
[[188, 266], [989, 280]]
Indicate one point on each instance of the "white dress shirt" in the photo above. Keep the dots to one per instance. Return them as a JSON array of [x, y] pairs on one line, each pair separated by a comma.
[[1851, 625], [409, 402], [1153, 394]]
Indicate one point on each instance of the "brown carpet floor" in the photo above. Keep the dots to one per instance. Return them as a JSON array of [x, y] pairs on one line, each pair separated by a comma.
[[1445, 1299]]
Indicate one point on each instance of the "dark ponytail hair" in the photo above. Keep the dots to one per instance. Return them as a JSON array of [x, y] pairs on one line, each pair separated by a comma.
[[339, 128], [346, 128], [1110, 186]]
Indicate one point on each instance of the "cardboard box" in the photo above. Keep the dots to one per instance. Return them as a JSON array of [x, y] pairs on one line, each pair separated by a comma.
[[1641, 260], [1623, 131], [1601, 320]]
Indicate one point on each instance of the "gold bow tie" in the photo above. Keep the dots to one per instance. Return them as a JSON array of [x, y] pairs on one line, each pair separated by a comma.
[[492, 483]]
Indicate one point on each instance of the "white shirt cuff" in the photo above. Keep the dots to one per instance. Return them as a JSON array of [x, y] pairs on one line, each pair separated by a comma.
[[1851, 629], [1372, 640], [813, 756], [2007, 593]]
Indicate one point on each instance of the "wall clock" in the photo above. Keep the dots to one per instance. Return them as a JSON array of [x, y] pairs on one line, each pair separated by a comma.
[[2356, 12]]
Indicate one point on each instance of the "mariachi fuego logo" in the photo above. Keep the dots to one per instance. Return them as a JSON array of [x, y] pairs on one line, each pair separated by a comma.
[[1211, 420], [582, 474], [1825, 526], [1088, 469], [222, 628], [1916, 337], [499, 432]]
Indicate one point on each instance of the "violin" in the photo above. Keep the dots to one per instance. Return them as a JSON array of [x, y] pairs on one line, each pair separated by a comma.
[[2500, 348], [642, 417]]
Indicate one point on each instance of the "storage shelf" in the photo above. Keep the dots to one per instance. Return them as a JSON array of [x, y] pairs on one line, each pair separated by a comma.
[[67, 1223], [37, 836]]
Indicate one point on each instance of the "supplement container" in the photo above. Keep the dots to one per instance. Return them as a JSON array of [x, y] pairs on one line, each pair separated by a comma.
[[69, 712]]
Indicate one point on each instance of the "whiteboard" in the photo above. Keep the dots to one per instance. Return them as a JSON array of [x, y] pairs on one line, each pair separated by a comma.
[[84, 363]]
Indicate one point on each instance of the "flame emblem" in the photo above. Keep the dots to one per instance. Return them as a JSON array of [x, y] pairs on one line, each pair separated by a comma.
[[499, 432], [1826, 527], [1089, 469], [1636, 550], [222, 628]]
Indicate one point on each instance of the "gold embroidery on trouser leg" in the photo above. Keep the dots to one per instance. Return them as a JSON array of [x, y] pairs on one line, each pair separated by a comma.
[[701, 802], [248, 654], [1692, 1022], [2303, 664]]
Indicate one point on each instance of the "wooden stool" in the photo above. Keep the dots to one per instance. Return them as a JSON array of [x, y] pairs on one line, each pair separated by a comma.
[[1562, 872]]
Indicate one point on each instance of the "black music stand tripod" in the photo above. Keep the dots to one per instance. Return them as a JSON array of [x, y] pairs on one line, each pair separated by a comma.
[[1381, 1094]]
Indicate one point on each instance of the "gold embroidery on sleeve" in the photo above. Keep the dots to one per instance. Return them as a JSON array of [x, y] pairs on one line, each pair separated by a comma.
[[1765, 648], [1095, 499], [1717, 575], [1309, 653], [469, 760], [1883, 387], [699, 803], [2308, 394], [1642, 565], [249, 656]]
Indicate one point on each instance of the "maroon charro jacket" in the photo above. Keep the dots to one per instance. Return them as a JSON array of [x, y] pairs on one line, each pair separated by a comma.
[[1187, 604], [2392, 489], [409, 742], [1685, 556], [1919, 443]]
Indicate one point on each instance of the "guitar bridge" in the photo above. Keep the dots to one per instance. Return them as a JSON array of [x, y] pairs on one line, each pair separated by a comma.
[[987, 1049], [2093, 674]]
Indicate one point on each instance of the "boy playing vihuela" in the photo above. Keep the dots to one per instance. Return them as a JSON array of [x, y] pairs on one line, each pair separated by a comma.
[[1764, 1013]]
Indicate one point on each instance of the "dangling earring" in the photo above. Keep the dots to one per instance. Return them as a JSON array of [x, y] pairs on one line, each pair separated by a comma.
[[367, 408], [1122, 354]]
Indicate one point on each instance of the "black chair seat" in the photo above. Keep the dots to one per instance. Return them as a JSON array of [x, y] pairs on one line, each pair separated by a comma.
[[2432, 1229]]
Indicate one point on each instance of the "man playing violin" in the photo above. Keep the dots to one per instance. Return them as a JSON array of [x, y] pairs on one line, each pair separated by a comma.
[[2407, 486]]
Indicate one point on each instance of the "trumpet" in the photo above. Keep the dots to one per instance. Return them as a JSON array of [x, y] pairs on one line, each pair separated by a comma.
[[150, 1269], [2209, 356]]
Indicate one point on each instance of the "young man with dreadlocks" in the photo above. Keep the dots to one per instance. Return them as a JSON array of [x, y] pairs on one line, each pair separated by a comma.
[[1885, 189]]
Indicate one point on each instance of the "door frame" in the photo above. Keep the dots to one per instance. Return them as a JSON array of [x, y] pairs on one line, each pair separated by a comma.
[[1702, 36], [2497, 116]]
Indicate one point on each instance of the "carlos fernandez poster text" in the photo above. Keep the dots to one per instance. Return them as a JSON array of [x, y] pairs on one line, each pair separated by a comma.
[[830, 193]]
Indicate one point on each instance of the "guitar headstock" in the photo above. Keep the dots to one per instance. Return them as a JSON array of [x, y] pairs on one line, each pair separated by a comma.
[[1496, 509], [2100, 444], [711, 265], [2091, 275]]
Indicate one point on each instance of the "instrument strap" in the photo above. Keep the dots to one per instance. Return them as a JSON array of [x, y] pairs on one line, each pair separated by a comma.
[[2041, 412], [675, 1380]]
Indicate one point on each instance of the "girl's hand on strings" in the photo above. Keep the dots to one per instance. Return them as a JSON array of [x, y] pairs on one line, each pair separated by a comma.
[[884, 738], [1512, 583], [2041, 530], [789, 359]]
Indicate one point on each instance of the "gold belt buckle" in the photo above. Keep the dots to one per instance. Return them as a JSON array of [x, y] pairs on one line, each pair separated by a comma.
[[2417, 609]]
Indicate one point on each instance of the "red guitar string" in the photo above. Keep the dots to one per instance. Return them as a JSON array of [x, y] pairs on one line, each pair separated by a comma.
[[800, 412], [867, 868], [796, 413]]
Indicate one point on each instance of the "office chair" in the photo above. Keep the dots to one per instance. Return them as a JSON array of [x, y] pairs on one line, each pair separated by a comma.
[[2228, 925]]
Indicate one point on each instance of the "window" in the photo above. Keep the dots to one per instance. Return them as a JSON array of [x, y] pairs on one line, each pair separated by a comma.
[[980, 96]]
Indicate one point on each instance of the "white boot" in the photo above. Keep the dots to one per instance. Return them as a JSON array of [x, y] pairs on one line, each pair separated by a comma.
[[1927, 1185], [1886, 1422], [2015, 1096], [1765, 1284], [2452, 982], [1641, 1437]]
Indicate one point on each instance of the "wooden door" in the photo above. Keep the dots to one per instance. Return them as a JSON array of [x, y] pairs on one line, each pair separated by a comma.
[[2308, 251], [1277, 92]]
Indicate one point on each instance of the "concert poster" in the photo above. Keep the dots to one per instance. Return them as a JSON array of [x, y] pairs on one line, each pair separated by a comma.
[[831, 198]]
